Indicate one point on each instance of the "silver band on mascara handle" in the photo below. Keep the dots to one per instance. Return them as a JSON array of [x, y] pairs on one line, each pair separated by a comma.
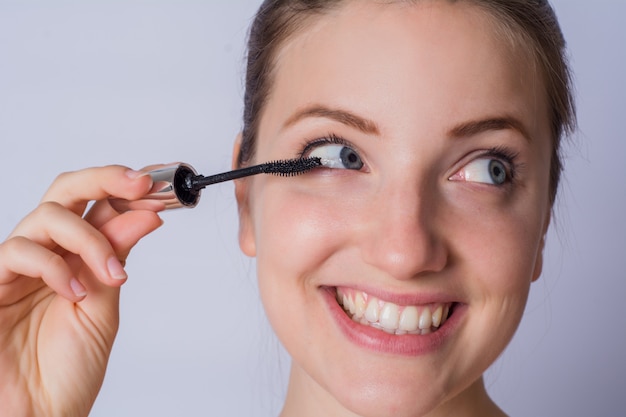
[[168, 191]]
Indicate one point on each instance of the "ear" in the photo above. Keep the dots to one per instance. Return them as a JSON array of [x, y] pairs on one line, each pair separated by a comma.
[[539, 260], [242, 194]]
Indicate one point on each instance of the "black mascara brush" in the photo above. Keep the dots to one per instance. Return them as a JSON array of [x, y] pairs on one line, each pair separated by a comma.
[[285, 168], [179, 185]]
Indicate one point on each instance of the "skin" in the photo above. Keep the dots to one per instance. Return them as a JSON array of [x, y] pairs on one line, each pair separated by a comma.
[[408, 224], [55, 335]]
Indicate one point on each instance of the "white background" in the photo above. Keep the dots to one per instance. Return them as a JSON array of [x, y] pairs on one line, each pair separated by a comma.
[[138, 82]]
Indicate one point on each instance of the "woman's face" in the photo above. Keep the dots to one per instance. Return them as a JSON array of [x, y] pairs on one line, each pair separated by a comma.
[[437, 205]]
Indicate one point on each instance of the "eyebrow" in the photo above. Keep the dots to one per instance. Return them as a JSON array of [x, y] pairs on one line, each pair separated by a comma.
[[476, 127], [341, 116], [465, 129]]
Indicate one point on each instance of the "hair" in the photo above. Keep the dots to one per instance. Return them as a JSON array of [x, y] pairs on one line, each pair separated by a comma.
[[529, 24]]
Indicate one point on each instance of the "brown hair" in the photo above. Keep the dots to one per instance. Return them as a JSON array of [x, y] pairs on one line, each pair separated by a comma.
[[531, 24]]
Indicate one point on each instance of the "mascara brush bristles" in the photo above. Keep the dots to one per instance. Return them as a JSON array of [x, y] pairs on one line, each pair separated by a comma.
[[291, 167], [285, 168]]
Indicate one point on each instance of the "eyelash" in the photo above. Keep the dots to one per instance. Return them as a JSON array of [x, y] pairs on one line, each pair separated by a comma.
[[508, 157], [324, 140], [502, 153]]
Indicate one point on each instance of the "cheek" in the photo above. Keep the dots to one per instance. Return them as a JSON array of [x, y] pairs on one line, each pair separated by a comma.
[[297, 228], [502, 247], [501, 236], [300, 224], [499, 254], [492, 256], [293, 231]]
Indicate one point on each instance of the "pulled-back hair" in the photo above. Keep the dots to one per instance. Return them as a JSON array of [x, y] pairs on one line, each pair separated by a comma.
[[529, 24]]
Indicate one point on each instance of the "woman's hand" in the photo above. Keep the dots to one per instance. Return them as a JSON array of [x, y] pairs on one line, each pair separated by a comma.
[[60, 275]]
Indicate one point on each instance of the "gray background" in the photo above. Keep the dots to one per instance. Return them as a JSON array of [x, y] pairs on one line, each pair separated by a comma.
[[140, 82]]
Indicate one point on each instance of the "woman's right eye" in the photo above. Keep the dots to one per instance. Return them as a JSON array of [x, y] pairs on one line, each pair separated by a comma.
[[337, 156]]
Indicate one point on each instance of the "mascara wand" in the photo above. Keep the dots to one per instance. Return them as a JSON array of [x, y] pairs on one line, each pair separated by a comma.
[[179, 185], [285, 168]]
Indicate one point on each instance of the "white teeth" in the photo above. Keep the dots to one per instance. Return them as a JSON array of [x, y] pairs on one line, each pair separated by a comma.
[[371, 312], [390, 331], [390, 317], [409, 319], [437, 316], [351, 307], [359, 305], [426, 319]]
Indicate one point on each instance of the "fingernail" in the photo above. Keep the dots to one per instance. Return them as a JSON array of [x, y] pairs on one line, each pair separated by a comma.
[[116, 270], [132, 174], [77, 288]]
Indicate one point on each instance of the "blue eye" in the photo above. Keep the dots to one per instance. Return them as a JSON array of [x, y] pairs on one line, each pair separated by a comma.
[[497, 166], [483, 170], [337, 156]]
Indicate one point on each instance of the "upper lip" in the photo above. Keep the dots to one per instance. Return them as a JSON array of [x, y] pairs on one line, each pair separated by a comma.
[[403, 298]]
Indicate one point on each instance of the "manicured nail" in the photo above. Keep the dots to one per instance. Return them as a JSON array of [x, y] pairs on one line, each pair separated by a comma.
[[77, 288], [116, 270], [132, 174]]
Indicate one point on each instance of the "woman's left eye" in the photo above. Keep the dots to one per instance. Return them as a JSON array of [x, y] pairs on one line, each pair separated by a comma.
[[335, 155], [484, 170]]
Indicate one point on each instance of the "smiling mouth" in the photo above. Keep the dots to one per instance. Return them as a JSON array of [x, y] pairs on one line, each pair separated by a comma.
[[393, 318]]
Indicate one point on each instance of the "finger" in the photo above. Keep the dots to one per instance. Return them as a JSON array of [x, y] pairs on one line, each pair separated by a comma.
[[52, 225], [124, 231], [100, 213], [103, 210], [23, 257], [75, 189], [155, 202]]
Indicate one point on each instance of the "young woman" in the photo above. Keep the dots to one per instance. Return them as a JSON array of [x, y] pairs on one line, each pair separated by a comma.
[[394, 278]]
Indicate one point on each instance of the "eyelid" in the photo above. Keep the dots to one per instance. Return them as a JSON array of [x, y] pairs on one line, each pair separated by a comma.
[[503, 154], [335, 153], [324, 140], [508, 157]]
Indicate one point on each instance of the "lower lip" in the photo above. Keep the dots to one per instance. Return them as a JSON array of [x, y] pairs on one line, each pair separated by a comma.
[[379, 341]]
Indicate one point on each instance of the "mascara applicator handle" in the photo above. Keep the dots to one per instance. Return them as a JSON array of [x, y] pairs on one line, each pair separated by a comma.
[[170, 190]]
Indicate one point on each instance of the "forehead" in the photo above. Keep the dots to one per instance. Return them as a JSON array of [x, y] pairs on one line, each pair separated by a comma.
[[422, 54]]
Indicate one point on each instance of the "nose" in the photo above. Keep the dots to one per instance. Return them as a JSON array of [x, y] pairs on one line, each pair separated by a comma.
[[405, 239]]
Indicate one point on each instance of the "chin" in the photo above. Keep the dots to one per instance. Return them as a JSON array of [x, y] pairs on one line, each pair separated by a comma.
[[379, 400]]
